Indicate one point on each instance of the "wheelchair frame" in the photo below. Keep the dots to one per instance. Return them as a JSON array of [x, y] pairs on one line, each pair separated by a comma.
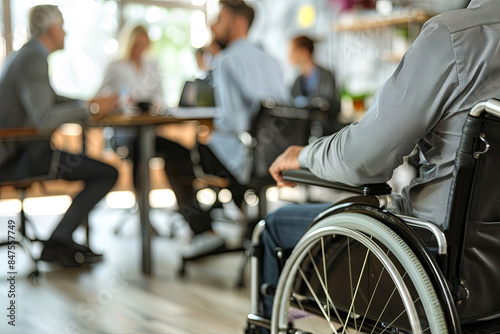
[[444, 269]]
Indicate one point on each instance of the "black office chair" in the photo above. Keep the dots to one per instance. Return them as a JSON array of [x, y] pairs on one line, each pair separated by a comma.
[[274, 128], [12, 175]]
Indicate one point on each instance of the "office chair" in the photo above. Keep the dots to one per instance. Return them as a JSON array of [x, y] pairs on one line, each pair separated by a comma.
[[11, 175], [274, 128]]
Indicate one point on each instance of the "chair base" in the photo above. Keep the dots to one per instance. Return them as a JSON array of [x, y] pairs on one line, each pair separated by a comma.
[[25, 244]]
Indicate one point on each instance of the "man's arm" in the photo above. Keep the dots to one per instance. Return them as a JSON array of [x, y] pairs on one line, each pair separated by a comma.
[[286, 161], [404, 109], [47, 110], [38, 98]]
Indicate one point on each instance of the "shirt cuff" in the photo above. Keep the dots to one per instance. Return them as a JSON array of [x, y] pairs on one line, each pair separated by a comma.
[[303, 157]]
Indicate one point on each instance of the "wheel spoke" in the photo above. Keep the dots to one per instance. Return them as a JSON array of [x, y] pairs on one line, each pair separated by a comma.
[[373, 295], [385, 306], [320, 306], [325, 290], [352, 308], [308, 318], [350, 283], [325, 277], [399, 316]]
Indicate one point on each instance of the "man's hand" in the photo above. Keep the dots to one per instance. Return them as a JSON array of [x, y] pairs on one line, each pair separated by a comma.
[[103, 105], [287, 160]]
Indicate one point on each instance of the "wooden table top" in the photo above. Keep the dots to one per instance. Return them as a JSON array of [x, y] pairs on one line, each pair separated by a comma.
[[176, 115]]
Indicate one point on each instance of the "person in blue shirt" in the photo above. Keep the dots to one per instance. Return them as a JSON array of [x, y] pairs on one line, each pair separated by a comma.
[[243, 75]]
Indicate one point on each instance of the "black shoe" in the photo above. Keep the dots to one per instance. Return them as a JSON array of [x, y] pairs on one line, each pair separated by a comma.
[[62, 254], [90, 256]]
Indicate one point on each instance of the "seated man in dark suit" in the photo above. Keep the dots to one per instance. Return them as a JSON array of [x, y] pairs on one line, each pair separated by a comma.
[[28, 100]]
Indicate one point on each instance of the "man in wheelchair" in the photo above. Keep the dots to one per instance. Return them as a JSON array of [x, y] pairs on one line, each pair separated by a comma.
[[359, 270]]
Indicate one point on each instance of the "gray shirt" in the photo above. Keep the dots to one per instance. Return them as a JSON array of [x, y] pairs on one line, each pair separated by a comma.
[[243, 76], [452, 65]]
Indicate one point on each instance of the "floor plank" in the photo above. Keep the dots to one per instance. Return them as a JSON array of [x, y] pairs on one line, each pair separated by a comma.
[[114, 296]]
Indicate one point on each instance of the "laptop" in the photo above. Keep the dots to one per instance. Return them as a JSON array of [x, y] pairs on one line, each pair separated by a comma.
[[196, 101], [198, 93]]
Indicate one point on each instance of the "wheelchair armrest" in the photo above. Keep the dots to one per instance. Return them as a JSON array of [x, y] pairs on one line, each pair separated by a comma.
[[305, 176]]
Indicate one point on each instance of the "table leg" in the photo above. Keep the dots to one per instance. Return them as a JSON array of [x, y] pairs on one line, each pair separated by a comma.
[[146, 138]]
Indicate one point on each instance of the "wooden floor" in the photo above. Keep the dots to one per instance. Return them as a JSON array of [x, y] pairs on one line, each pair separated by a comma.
[[114, 296]]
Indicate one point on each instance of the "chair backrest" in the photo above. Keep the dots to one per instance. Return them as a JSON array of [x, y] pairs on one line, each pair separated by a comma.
[[22, 156], [474, 215], [274, 129]]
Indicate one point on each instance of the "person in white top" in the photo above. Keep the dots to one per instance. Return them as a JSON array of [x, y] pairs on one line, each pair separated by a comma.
[[133, 73], [136, 78]]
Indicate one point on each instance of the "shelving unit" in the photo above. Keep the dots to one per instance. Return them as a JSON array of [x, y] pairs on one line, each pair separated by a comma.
[[384, 37], [377, 21]]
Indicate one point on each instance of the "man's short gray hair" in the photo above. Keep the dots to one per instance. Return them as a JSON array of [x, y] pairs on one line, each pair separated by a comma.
[[42, 17]]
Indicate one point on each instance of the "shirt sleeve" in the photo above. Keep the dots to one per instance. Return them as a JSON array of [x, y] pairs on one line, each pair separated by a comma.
[[40, 101], [108, 81], [404, 109], [234, 115]]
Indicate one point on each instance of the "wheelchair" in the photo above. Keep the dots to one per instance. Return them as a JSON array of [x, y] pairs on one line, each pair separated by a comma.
[[361, 269]]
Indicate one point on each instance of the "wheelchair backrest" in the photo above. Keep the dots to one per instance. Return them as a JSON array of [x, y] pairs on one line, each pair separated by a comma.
[[474, 216]]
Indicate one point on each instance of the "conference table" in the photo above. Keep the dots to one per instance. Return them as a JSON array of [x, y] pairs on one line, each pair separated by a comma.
[[145, 123]]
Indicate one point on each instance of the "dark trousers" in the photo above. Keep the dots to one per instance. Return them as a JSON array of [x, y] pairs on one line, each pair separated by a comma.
[[180, 173], [98, 177], [284, 228]]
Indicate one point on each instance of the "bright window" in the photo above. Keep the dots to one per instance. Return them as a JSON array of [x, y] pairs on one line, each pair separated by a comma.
[[175, 33], [92, 28], [75, 71]]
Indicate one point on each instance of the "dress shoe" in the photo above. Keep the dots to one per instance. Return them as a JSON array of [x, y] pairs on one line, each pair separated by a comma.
[[62, 254], [90, 256]]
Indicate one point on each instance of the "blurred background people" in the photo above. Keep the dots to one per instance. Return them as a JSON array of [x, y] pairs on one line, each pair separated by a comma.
[[133, 74], [314, 81], [136, 78], [28, 100], [243, 75]]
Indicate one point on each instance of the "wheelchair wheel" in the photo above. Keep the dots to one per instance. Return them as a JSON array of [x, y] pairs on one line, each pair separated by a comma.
[[350, 273]]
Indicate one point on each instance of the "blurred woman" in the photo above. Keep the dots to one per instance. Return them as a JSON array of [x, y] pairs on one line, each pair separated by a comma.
[[136, 78], [133, 74]]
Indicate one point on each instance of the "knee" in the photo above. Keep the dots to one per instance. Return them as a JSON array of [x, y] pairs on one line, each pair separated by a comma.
[[108, 175], [112, 175], [276, 219]]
